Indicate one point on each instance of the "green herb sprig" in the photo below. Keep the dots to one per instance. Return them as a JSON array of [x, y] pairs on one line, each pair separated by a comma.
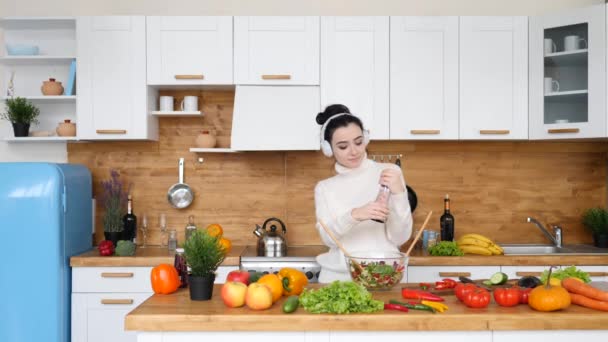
[[446, 248], [20, 110], [203, 253], [596, 220]]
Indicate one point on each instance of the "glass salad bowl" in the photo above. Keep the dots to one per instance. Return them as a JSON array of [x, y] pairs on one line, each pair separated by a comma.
[[377, 270]]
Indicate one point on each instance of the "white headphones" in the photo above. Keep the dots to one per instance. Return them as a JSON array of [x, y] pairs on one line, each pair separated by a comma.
[[326, 145]]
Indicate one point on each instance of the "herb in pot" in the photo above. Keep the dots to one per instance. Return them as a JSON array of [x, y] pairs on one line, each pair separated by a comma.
[[446, 248]]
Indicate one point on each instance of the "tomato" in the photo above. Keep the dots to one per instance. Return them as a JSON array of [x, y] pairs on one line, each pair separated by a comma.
[[477, 299], [507, 296], [461, 290], [524, 295], [164, 279]]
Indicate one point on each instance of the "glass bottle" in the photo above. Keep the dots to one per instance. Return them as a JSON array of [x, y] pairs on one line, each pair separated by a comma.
[[383, 196], [180, 266], [130, 222], [172, 242], [191, 227], [447, 221]]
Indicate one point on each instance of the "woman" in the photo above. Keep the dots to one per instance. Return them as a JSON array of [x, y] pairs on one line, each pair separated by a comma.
[[346, 203]]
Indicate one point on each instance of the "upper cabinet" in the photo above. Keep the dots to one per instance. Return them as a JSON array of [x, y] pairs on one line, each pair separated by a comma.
[[424, 78], [189, 50], [493, 77], [111, 83], [568, 74], [355, 68], [276, 50]]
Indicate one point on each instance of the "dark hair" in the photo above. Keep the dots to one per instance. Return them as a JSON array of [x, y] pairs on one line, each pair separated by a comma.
[[340, 121]]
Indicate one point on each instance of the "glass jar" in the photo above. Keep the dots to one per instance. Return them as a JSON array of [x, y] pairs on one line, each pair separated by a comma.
[[172, 242], [181, 267], [191, 227]]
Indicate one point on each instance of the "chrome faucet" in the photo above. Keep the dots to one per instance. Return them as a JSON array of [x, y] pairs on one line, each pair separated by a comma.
[[557, 240]]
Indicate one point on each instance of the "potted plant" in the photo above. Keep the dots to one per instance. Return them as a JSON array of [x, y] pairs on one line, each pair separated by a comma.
[[203, 253], [115, 202], [21, 113], [596, 220]]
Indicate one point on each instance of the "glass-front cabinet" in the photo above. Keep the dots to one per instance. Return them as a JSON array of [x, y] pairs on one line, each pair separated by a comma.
[[568, 74]]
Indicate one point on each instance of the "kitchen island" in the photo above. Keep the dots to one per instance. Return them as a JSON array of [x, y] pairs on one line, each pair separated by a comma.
[[174, 317]]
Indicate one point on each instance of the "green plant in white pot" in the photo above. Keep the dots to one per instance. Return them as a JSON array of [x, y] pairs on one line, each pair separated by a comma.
[[596, 220], [204, 254], [21, 113]]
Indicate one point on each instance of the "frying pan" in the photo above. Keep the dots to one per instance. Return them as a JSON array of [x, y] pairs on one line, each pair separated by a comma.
[[180, 195], [411, 194]]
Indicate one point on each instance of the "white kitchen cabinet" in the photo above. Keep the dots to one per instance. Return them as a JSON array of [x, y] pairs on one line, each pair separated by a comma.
[[425, 274], [55, 38], [189, 50], [455, 336], [276, 50], [574, 66], [596, 273], [550, 335], [355, 68], [424, 78], [112, 103], [493, 78]]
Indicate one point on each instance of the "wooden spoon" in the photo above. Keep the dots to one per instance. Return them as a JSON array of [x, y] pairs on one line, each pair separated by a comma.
[[407, 254], [333, 237]]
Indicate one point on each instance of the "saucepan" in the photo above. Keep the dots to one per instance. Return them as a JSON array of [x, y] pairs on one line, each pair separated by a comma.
[[180, 195]]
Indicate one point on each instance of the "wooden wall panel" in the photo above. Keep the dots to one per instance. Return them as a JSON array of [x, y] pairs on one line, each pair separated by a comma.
[[494, 186]]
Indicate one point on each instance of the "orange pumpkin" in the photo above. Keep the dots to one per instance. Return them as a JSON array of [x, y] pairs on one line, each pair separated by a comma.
[[164, 279], [549, 298], [274, 283]]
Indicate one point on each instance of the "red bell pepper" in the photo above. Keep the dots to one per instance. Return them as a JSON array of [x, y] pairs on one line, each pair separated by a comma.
[[462, 289], [444, 284], [425, 286], [524, 294], [418, 294], [479, 298], [506, 296], [106, 248]]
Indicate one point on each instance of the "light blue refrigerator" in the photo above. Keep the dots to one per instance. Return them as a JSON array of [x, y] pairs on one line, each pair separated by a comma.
[[45, 218]]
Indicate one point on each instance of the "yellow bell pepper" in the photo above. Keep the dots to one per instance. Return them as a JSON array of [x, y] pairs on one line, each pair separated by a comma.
[[293, 281], [440, 307]]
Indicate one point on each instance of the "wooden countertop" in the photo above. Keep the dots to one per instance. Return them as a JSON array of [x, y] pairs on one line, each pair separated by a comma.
[[150, 256], [155, 255], [176, 312]]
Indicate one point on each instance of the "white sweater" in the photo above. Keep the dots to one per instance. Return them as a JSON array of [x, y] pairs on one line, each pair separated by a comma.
[[337, 196]]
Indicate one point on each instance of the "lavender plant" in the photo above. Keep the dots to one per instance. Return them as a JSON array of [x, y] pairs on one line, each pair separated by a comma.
[[115, 202]]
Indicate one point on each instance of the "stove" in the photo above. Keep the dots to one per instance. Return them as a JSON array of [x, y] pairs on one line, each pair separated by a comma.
[[301, 258]]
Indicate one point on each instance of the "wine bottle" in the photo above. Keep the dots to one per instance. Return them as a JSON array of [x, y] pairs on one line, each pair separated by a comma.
[[129, 222], [447, 221]]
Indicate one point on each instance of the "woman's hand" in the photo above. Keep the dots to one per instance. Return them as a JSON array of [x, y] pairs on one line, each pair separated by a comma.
[[392, 179], [370, 211]]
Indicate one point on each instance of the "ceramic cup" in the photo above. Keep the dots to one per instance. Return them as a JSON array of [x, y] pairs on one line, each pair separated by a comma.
[[189, 104], [550, 46], [551, 85], [573, 43], [166, 103]]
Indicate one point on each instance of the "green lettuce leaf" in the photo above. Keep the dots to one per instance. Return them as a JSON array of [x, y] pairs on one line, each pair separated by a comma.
[[339, 297], [563, 273]]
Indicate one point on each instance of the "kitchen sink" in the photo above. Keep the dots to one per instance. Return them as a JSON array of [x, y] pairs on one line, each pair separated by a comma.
[[525, 249]]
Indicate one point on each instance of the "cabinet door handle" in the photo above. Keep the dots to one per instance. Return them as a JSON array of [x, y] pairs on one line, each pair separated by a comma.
[[425, 131], [117, 301], [111, 131], [276, 77], [117, 275], [190, 77], [563, 130], [528, 274], [454, 274], [494, 131]]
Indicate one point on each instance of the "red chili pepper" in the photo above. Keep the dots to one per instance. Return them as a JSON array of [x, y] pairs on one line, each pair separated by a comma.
[[396, 307], [106, 248], [418, 294]]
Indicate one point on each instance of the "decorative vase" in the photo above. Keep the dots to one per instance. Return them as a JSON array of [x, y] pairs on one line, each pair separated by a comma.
[[113, 236], [201, 288], [600, 240], [66, 129], [205, 140], [51, 87], [21, 129]]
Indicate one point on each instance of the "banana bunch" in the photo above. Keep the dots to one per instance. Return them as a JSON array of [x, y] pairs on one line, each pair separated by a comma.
[[478, 244]]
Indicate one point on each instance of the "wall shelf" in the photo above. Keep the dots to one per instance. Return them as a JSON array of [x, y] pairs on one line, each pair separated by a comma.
[[212, 150], [48, 99], [567, 93], [40, 139], [36, 59], [176, 113]]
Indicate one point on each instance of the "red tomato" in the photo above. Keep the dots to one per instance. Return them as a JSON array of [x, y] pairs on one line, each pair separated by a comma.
[[524, 295], [506, 297], [479, 298], [238, 276], [461, 290]]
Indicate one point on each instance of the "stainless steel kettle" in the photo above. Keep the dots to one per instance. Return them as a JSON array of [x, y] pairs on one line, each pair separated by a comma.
[[270, 242]]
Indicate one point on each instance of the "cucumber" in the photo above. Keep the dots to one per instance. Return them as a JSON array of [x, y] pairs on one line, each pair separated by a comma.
[[498, 278], [291, 304]]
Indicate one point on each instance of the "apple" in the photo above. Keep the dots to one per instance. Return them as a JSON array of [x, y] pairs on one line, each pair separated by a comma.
[[258, 296], [238, 276], [233, 294]]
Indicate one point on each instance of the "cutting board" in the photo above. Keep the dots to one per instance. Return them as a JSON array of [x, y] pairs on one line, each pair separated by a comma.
[[447, 292]]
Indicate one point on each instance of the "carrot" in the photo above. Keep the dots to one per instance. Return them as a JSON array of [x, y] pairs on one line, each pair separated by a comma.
[[575, 286], [588, 302]]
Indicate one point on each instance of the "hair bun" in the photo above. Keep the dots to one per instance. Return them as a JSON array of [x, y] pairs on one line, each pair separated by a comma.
[[330, 111], [321, 118]]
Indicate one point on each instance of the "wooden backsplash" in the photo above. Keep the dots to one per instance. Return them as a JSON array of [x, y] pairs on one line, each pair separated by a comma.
[[494, 186]]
